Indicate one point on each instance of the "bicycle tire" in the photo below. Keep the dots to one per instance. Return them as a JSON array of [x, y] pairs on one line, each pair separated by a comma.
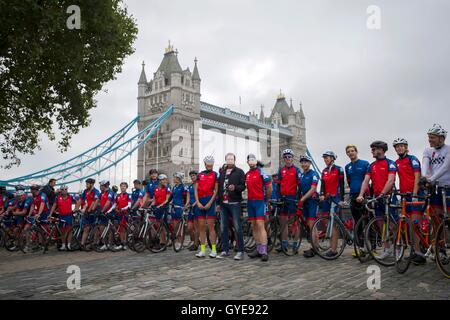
[[320, 226], [372, 230], [294, 236], [180, 234], [359, 244], [403, 247], [443, 258]]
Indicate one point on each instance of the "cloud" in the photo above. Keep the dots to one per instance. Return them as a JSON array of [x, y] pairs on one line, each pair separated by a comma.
[[356, 85]]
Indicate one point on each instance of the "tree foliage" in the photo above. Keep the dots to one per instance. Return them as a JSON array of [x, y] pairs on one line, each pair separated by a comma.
[[50, 74]]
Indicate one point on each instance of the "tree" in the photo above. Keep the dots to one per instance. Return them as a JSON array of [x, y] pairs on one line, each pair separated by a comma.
[[50, 73]]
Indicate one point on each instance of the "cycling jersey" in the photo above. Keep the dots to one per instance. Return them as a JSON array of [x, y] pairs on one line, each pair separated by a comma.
[[25, 204], [206, 181], [122, 200], [106, 196], [135, 195], [191, 191], [160, 194], [256, 180], [64, 205], [178, 192], [436, 165], [406, 168], [379, 172], [355, 172], [274, 195], [333, 181], [308, 179], [289, 179], [90, 197], [150, 187], [37, 201]]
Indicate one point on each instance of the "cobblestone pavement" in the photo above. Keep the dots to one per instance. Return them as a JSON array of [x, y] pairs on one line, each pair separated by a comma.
[[170, 275]]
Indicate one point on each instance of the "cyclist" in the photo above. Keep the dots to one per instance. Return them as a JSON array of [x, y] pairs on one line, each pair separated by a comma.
[[89, 202], [106, 202], [178, 196], [40, 207], [150, 187], [408, 170], [289, 180], [355, 171], [137, 193], [332, 192], [19, 208], [192, 222], [205, 190], [63, 202], [120, 208], [161, 198], [436, 165], [309, 180], [259, 187], [381, 173]]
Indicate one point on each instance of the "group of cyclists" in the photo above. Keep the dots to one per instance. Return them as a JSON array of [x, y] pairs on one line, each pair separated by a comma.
[[210, 193]]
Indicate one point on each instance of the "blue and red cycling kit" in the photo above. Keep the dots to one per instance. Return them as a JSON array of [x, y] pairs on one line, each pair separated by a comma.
[[332, 188], [308, 180], [289, 181], [407, 167], [178, 196], [160, 196], [206, 182], [256, 181]]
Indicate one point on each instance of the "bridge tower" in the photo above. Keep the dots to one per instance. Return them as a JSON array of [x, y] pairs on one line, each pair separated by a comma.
[[170, 85]]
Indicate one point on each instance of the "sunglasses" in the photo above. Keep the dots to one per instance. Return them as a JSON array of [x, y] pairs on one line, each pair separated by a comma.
[[288, 157]]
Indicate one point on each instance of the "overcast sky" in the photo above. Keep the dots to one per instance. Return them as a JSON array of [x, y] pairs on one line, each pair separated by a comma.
[[356, 84]]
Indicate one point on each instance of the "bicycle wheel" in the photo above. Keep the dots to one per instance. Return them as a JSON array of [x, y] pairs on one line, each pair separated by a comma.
[[358, 241], [442, 248], [153, 238], [325, 231], [180, 234], [75, 241], [32, 240], [11, 243], [294, 236], [403, 246], [380, 238]]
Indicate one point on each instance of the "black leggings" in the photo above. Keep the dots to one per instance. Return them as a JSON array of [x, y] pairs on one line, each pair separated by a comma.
[[356, 208]]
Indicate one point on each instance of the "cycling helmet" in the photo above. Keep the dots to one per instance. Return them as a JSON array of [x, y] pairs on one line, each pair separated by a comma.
[[437, 130], [35, 187], [251, 156], [379, 144], [19, 193], [137, 181], [162, 176], [329, 154], [90, 180], [288, 151], [305, 158], [20, 187], [399, 141], [179, 175], [104, 183], [209, 160], [64, 187]]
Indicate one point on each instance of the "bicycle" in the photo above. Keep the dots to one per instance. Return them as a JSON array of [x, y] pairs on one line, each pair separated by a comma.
[[9, 233], [442, 238], [381, 231], [78, 229], [155, 231], [324, 227], [180, 232], [34, 238]]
